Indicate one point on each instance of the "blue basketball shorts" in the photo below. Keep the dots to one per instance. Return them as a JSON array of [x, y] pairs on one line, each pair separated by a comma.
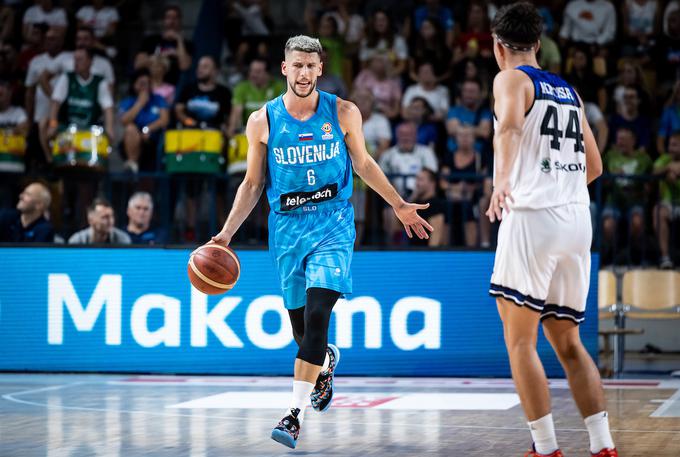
[[312, 250]]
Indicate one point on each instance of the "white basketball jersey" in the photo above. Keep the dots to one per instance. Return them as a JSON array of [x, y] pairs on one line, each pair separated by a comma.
[[550, 168]]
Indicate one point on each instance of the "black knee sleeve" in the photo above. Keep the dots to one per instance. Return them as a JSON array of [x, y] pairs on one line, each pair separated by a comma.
[[318, 309], [297, 322]]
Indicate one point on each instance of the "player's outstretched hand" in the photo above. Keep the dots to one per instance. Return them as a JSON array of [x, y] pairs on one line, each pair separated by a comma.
[[499, 198], [413, 223]]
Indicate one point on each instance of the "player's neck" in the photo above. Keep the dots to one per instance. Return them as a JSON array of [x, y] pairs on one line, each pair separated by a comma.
[[514, 61], [301, 107]]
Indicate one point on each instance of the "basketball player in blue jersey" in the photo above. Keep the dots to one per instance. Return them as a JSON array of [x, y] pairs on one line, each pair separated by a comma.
[[302, 147], [545, 156]]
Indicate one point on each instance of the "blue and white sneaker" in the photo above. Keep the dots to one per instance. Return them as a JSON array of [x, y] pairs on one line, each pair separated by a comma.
[[322, 396], [288, 429]]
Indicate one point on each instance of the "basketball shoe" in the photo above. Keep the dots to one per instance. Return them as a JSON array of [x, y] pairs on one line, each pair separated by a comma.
[[288, 429], [322, 396], [532, 453], [607, 453]]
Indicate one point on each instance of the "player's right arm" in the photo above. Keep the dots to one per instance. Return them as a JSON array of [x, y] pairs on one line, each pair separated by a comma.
[[248, 193], [512, 91]]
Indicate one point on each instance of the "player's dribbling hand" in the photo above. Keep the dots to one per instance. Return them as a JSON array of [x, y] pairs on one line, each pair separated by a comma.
[[222, 238], [499, 198], [413, 223]]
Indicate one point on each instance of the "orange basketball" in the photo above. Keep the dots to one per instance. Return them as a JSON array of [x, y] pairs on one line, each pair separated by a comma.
[[213, 269]]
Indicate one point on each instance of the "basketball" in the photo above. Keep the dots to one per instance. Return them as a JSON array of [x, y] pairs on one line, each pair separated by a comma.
[[213, 269]]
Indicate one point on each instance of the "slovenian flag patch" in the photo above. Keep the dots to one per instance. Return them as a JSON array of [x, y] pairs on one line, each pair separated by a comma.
[[305, 136]]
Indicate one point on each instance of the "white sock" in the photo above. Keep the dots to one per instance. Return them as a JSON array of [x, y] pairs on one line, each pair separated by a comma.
[[543, 434], [598, 431], [326, 362], [301, 392]]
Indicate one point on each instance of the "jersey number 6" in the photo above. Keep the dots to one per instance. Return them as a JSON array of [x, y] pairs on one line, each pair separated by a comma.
[[311, 179]]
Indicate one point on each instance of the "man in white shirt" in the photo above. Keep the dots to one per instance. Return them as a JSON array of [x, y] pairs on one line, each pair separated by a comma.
[[589, 21], [407, 158], [101, 18], [376, 126], [37, 99], [85, 39], [402, 163], [426, 87], [86, 96], [44, 12]]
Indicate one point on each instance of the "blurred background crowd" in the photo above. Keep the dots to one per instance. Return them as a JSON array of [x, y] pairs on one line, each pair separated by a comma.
[[123, 123]]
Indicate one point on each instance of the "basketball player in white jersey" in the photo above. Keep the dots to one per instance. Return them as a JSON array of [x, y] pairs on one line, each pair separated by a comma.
[[545, 155]]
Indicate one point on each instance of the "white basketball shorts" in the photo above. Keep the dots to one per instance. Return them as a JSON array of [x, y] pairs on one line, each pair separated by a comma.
[[543, 260]]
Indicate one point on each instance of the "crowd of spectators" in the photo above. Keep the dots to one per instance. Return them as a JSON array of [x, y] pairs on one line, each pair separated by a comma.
[[420, 71]]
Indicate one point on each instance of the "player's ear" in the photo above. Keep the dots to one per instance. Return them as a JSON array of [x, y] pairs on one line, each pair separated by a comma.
[[538, 46], [320, 68], [283, 68]]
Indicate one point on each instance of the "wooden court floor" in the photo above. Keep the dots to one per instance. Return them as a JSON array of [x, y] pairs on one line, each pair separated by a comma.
[[127, 416]]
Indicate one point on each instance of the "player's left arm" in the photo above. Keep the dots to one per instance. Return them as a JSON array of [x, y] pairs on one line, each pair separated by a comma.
[[593, 157], [509, 90], [366, 167]]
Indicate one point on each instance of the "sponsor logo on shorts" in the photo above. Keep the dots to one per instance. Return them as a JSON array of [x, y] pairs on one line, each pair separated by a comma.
[[295, 200], [545, 165]]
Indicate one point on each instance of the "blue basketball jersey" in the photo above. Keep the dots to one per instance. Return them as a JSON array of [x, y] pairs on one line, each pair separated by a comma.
[[308, 166]]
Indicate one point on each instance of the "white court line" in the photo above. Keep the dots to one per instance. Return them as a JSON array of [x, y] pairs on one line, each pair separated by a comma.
[[661, 410], [10, 397]]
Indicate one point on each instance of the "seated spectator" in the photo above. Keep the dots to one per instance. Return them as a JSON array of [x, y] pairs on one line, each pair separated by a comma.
[[27, 223], [170, 43], [433, 10], [419, 112], [140, 213], [251, 94], [426, 87], [101, 228], [670, 119], [44, 12], [329, 82], [464, 192], [333, 45], [103, 20], [632, 118], [666, 53], [626, 196], [471, 110], [349, 21], [549, 54], [386, 89], [630, 75], [32, 46], [466, 70], [404, 160], [640, 20], [475, 40], [582, 75], [12, 118], [158, 68], [668, 208], [431, 47], [84, 97], [376, 127], [39, 91], [144, 115], [425, 192], [205, 103], [589, 21], [381, 38]]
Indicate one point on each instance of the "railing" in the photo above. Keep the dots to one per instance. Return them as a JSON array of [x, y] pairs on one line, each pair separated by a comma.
[[212, 194]]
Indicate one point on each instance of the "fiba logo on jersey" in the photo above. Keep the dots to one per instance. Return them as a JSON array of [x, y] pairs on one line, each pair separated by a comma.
[[327, 129], [545, 165]]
